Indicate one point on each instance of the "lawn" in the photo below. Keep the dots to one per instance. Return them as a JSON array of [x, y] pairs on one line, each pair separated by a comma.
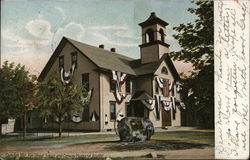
[[95, 144]]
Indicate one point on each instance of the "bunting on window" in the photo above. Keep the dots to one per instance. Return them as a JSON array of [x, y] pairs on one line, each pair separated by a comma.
[[150, 104], [66, 76], [160, 82], [171, 84], [87, 99], [166, 105], [57, 119], [183, 105], [119, 97], [76, 118], [178, 89], [118, 79], [94, 117]]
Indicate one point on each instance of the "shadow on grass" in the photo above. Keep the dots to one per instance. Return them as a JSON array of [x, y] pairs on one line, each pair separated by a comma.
[[96, 142], [155, 145]]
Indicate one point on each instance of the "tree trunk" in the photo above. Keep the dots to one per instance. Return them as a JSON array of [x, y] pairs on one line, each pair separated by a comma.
[[24, 124], [60, 126], [0, 129]]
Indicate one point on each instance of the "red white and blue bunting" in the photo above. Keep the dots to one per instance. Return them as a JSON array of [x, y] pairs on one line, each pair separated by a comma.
[[167, 103], [118, 78], [94, 117], [149, 104], [87, 99], [67, 76], [76, 118], [178, 88]]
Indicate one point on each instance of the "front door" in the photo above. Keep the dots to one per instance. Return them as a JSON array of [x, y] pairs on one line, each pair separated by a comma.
[[166, 117]]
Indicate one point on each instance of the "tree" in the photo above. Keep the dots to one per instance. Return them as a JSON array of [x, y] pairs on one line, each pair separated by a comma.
[[196, 41], [17, 89], [59, 100]]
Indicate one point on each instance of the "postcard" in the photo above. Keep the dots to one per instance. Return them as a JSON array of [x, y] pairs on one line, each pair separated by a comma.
[[124, 79]]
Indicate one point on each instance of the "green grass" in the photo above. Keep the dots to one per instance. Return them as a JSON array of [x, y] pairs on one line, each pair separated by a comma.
[[43, 141], [161, 141], [169, 141], [187, 136]]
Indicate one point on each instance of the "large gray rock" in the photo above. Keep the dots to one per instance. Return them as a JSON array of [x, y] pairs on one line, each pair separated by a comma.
[[132, 129]]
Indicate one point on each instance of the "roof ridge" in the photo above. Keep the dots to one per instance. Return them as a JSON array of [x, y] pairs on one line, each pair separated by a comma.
[[101, 49]]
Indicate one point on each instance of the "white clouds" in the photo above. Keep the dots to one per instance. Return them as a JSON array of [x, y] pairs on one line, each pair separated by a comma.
[[71, 30], [126, 34], [39, 28], [110, 42], [61, 11], [111, 27]]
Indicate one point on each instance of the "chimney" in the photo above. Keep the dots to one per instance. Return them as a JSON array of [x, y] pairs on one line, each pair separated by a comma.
[[101, 46], [112, 49]]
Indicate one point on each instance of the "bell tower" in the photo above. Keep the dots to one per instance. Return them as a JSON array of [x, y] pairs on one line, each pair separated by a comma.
[[153, 39]]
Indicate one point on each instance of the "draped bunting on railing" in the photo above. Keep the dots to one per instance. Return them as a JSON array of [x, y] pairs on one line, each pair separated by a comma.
[[66, 76], [167, 104], [150, 104], [118, 79]]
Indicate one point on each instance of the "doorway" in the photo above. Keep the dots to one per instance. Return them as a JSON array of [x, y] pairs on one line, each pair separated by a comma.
[[166, 117]]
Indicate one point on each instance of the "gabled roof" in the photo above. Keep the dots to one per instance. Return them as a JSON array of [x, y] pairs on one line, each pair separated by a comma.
[[108, 60], [153, 19], [103, 58], [150, 68]]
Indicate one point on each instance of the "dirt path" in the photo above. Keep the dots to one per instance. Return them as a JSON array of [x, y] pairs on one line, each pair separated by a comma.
[[100, 150]]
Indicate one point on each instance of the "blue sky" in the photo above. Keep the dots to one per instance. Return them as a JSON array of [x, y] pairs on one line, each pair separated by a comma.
[[31, 29]]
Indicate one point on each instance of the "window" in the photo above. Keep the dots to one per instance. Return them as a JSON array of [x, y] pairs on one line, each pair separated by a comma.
[[112, 110], [162, 35], [85, 115], [164, 70], [74, 59], [173, 89], [158, 114], [149, 35], [128, 86], [156, 87], [112, 85], [173, 111], [61, 62], [128, 110], [29, 119], [85, 81]]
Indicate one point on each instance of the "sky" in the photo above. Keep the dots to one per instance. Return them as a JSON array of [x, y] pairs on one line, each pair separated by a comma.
[[32, 29]]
